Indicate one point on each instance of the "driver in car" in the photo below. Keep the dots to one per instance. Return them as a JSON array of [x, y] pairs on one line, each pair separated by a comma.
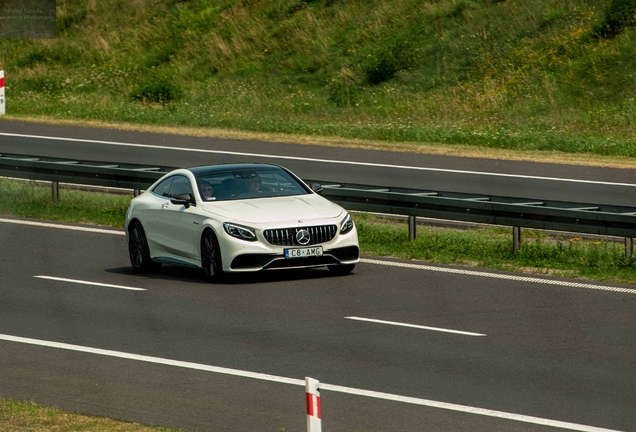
[[254, 185], [206, 190]]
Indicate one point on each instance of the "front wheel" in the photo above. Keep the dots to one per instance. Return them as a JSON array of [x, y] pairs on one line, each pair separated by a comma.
[[211, 257], [341, 269], [138, 250]]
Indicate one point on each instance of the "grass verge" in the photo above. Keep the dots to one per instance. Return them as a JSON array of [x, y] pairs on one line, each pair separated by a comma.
[[598, 258], [26, 416], [33, 200], [519, 76]]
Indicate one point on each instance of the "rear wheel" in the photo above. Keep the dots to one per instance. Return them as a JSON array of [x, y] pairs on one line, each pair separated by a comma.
[[341, 269], [138, 250], [211, 257]]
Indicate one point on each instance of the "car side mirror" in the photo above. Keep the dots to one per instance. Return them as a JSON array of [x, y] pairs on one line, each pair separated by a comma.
[[184, 199], [316, 187]]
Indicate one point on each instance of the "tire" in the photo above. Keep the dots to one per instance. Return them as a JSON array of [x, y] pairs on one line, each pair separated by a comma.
[[211, 257], [138, 250], [341, 269]]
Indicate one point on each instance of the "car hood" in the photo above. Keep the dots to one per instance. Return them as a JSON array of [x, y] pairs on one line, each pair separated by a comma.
[[274, 209]]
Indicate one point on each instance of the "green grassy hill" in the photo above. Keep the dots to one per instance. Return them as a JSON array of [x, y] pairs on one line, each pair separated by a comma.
[[541, 74]]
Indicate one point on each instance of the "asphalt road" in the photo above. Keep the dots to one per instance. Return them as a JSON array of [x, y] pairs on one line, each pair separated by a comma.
[[541, 181], [555, 353], [546, 354]]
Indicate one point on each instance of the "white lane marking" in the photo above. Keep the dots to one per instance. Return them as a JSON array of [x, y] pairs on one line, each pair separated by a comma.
[[380, 262], [149, 359], [299, 382], [466, 409], [341, 162], [90, 283], [415, 326], [59, 226], [498, 276]]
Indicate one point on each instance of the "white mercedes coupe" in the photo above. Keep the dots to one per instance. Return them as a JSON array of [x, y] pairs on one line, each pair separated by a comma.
[[238, 218]]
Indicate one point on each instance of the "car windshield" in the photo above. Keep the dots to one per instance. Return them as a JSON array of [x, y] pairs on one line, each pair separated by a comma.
[[248, 184]]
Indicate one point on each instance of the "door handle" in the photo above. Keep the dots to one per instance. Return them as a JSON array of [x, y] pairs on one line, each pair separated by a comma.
[[165, 206]]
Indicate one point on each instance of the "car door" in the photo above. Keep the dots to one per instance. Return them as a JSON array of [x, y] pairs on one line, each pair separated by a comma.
[[149, 216], [176, 223]]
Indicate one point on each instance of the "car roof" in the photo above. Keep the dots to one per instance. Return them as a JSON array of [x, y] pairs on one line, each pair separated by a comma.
[[211, 169]]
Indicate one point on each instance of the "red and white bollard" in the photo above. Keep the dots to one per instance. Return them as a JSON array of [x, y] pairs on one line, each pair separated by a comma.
[[313, 405], [2, 99]]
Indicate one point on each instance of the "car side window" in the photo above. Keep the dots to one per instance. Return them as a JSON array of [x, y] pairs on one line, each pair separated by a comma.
[[163, 188], [181, 185]]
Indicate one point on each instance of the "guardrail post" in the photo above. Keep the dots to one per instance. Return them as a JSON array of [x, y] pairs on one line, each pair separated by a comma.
[[629, 247], [412, 227], [55, 191], [314, 422], [136, 192], [516, 238]]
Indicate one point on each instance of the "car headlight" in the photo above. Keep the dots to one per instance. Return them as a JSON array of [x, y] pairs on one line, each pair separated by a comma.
[[239, 231], [346, 225]]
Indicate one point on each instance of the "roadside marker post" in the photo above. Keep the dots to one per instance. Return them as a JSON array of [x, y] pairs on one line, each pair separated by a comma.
[[2, 98], [313, 405]]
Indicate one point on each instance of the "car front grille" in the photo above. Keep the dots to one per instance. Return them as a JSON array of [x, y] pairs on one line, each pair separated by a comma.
[[287, 236]]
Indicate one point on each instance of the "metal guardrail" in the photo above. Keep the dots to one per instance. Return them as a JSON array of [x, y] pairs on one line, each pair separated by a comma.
[[486, 209], [60, 170], [518, 213]]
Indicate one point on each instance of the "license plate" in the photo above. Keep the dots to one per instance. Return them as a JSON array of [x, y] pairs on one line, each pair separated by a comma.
[[303, 252]]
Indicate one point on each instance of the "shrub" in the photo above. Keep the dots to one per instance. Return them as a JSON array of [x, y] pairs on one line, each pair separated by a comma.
[[619, 14], [389, 59], [157, 89]]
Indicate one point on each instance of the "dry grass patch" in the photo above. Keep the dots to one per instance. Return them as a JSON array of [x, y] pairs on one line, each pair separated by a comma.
[[28, 417]]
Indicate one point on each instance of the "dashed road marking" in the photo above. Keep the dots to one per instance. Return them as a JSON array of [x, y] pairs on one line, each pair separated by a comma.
[[82, 282], [379, 262], [399, 324]]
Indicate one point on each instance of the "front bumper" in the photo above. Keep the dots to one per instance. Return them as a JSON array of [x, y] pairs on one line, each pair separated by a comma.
[[255, 262], [243, 256]]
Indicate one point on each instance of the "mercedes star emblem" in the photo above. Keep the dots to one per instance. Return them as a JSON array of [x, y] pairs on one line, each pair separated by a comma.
[[302, 237]]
